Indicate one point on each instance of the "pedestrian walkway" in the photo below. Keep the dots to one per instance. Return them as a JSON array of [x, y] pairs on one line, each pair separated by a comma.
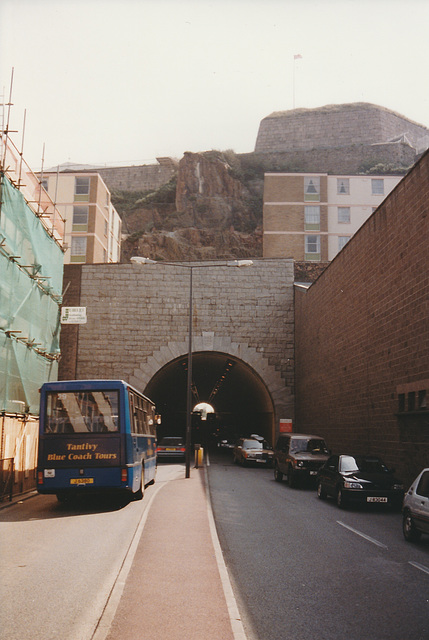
[[177, 587]]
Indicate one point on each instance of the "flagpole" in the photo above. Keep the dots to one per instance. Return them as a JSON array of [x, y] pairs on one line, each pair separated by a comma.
[[296, 57], [293, 90]]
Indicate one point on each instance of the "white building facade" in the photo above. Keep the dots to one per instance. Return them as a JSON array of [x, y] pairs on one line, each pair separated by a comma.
[[93, 226], [310, 217]]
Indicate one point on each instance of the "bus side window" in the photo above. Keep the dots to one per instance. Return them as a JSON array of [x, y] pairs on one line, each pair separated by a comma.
[[132, 413]]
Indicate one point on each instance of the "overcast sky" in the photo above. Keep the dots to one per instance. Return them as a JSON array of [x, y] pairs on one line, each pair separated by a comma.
[[124, 81]]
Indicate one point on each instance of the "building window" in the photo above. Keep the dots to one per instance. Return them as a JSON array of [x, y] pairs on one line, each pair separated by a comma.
[[80, 218], [342, 240], [312, 217], [81, 186], [44, 184], [78, 249], [312, 189], [343, 186], [413, 402], [422, 400], [344, 215], [377, 186], [81, 189], [312, 247]]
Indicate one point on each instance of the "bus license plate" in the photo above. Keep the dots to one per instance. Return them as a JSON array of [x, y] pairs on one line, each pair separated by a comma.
[[376, 499], [82, 481]]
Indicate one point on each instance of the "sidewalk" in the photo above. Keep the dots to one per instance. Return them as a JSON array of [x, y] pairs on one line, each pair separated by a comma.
[[177, 585]]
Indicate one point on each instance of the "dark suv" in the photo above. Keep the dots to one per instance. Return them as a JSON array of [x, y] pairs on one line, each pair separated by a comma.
[[298, 457]]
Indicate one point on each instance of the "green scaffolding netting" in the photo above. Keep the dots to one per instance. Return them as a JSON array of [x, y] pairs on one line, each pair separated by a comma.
[[31, 274]]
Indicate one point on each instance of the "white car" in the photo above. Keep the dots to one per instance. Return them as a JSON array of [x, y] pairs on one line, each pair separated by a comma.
[[415, 508]]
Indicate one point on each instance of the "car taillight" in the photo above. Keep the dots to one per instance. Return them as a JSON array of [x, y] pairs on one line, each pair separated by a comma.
[[124, 475], [183, 449], [40, 477]]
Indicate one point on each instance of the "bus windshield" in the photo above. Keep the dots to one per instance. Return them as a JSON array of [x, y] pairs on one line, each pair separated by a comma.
[[82, 412]]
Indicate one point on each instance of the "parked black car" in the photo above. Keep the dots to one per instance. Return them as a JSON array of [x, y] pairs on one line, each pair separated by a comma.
[[359, 479], [298, 457], [171, 447]]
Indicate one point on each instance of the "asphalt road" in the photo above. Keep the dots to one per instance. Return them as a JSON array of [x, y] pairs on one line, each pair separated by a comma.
[[302, 568]]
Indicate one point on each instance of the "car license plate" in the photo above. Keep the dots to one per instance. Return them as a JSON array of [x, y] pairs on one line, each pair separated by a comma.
[[376, 499], [82, 481]]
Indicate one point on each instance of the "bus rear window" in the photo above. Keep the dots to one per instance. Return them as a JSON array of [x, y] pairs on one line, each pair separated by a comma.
[[82, 412]]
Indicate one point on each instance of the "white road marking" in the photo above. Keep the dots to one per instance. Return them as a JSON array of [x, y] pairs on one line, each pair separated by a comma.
[[419, 566], [362, 535], [234, 614]]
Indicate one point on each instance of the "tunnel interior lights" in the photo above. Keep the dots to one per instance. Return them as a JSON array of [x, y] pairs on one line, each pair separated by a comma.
[[221, 380]]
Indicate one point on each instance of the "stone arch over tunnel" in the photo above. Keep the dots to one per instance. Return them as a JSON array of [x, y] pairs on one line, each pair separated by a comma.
[[252, 394], [240, 398]]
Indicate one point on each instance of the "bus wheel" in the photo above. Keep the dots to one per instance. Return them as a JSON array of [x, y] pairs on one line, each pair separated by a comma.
[[140, 493], [61, 496]]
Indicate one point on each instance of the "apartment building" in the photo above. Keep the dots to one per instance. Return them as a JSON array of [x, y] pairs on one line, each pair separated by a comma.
[[310, 217], [93, 226]]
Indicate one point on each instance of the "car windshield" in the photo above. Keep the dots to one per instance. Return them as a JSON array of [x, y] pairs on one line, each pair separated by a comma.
[[171, 442], [315, 445], [362, 463], [252, 444]]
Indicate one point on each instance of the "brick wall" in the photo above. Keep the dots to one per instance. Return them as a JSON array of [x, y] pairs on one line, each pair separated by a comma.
[[69, 336], [362, 335]]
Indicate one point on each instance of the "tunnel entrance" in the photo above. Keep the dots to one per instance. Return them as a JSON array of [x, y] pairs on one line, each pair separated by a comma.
[[240, 399]]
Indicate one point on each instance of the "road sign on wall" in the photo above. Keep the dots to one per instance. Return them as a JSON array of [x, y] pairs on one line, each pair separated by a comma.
[[73, 315], [285, 425]]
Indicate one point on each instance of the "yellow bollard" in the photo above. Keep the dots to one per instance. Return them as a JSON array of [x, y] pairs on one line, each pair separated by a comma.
[[199, 456]]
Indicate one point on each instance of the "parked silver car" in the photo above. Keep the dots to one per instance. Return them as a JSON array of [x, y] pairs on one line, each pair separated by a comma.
[[415, 508]]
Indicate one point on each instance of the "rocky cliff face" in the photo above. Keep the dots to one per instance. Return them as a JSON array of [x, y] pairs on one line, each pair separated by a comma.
[[215, 213], [207, 191]]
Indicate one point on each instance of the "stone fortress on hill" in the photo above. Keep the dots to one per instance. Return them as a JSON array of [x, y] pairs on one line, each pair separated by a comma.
[[338, 126], [220, 215]]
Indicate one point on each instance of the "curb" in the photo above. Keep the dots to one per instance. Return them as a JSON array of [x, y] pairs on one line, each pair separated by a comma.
[[234, 614]]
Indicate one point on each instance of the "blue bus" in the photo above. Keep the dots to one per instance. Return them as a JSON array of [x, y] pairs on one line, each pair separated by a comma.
[[95, 436]]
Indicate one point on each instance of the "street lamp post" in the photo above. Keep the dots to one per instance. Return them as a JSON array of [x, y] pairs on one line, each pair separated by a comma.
[[189, 385], [230, 263]]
